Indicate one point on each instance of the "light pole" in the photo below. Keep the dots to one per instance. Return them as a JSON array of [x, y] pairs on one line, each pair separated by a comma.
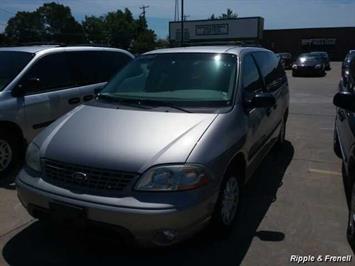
[[182, 23]]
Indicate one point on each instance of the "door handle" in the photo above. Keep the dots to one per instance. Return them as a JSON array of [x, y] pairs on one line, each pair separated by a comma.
[[75, 100], [88, 98]]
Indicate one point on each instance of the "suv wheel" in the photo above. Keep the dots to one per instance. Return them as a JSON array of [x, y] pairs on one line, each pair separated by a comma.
[[227, 205], [9, 153], [336, 144], [351, 220]]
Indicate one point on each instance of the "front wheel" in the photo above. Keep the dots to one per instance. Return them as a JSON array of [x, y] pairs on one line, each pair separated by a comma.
[[227, 205], [9, 153]]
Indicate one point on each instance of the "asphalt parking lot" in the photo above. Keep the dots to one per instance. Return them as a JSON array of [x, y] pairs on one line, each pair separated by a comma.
[[294, 205]]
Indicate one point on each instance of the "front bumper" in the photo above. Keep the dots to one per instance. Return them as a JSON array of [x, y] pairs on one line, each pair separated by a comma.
[[148, 225]]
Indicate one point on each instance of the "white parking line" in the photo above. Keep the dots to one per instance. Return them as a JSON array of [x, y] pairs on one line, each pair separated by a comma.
[[319, 171]]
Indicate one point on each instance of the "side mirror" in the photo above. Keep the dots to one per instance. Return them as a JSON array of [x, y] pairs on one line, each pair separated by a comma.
[[345, 100], [263, 100], [32, 84], [97, 91]]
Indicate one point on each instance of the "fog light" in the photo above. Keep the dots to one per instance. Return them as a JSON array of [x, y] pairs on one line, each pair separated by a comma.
[[165, 237]]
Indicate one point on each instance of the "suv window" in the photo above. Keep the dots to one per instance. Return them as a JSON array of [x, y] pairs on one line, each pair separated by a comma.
[[95, 67], [52, 73], [250, 75], [271, 69]]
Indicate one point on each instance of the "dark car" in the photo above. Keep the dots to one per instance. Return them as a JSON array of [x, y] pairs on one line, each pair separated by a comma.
[[286, 60], [346, 64], [308, 64], [325, 57], [344, 140]]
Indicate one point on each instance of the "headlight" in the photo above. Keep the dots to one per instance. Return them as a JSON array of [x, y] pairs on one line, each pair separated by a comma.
[[173, 178], [294, 66], [318, 66], [33, 158]]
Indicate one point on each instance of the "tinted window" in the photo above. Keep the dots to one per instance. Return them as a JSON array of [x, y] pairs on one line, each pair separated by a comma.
[[183, 78], [271, 69], [52, 72], [11, 65], [95, 67], [250, 76]]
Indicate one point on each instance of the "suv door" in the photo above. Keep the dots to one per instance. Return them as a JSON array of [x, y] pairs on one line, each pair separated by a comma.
[[252, 85], [90, 71], [275, 82], [42, 86]]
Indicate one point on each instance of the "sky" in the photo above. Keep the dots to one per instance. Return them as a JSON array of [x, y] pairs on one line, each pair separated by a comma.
[[278, 14]]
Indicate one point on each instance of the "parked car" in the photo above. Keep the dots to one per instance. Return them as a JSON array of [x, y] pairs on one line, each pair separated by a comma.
[[346, 63], [325, 57], [344, 140], [38, 84], [167, 146], [286, 60], [307, 64]]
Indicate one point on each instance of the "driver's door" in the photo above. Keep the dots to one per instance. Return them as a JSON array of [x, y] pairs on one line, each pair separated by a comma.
[[42, 99]]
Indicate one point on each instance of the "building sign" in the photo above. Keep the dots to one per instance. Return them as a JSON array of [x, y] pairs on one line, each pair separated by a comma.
[[212, 29], [250, 28], [318, 42]]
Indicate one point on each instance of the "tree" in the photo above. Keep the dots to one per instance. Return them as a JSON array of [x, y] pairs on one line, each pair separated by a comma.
[[24, 27], [59, 24], [228, 15], [49, 23], [95, 29], [120, 29]]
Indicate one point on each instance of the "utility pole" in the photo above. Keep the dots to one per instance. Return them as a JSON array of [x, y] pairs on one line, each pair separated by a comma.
[[176, 17], [143, 10], [182, 23]]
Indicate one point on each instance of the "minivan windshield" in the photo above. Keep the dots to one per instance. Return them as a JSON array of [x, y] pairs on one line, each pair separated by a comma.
[[182, 79], [11, 64]]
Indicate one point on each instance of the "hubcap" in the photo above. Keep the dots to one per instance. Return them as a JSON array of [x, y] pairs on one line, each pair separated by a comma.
[[5, 154], [230, 200]]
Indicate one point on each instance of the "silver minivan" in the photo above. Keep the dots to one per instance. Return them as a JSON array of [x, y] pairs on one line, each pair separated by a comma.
[[38, 84], [167, 146]]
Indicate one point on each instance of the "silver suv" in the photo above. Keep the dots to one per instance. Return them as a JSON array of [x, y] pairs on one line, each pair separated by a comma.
[[38, 84], [167, 146]]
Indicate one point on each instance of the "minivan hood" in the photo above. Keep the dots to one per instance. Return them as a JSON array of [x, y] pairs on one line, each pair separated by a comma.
[[124, 140]]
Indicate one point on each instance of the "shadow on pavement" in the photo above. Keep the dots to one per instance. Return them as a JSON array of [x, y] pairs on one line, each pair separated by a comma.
[[42, 245]]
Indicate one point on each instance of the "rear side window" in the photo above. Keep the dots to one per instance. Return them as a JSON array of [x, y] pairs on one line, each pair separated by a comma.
[[95, 67], [250, 75], [52, 73], [271, 70]]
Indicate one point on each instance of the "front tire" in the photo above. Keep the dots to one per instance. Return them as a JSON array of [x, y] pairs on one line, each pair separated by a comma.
[[227, 206], [9, 153]]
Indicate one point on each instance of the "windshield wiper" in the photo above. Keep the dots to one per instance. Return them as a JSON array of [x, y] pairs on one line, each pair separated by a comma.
[[159, 103], [123, 101], [141, 103]]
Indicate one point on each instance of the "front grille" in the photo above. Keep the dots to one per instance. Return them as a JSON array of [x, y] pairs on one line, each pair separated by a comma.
[[85, 179]]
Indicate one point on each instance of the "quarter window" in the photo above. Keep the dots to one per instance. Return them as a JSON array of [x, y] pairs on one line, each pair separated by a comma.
[[250, 76], [271, 70]]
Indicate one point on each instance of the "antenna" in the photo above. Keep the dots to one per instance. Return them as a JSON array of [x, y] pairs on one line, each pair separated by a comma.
[[143, 10]]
